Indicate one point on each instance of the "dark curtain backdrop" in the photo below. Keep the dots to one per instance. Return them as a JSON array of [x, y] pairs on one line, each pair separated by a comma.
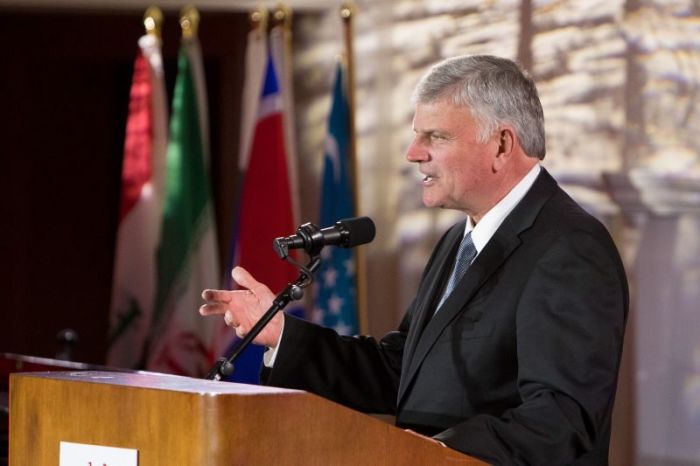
[[64, 83]]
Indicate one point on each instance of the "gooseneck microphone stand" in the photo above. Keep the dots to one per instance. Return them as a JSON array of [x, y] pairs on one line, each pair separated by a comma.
[[293, 291]]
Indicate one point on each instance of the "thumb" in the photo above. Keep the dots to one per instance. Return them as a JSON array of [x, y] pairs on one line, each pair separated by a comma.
[[246, 280]]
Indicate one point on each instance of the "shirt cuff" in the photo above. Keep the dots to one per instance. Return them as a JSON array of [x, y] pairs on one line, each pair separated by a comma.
[[271, 353]]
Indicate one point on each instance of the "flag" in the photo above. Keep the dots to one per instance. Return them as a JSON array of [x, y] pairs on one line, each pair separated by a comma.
[[255, 65], [336, 296], [265, 212], [280, 48], [266, 207], [143, 172], [187, 257]]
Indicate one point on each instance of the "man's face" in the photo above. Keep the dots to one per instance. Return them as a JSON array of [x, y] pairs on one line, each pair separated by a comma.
[[457, 169]]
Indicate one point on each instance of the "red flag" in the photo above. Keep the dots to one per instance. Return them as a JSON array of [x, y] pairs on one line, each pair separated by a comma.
[[266, 207], [265, 211], [143, 173]]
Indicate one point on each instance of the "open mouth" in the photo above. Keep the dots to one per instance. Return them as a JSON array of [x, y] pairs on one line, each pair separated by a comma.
[[427, 178]]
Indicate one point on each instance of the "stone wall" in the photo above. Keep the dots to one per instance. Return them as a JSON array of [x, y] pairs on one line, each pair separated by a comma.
[[619, 83]]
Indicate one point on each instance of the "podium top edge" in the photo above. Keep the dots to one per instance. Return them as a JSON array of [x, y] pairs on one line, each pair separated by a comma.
[[22, 360], [157, 381]]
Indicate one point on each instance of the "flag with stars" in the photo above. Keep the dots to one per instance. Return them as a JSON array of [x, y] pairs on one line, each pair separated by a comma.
[[336, 297]]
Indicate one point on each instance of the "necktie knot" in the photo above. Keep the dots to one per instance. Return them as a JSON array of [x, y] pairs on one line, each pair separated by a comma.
[[465, 256]]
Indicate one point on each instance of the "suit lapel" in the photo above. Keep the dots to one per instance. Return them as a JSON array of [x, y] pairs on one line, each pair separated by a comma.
[[432, 284], [501, 245]]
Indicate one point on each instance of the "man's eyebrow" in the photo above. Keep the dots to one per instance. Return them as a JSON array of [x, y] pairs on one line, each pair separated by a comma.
[[426, 132], [430, 132]]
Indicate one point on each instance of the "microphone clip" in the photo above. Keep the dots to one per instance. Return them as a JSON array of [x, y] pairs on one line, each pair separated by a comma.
[[309, 237]]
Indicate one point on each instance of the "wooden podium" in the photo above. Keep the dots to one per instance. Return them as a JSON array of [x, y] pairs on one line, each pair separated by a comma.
[[174, 420]]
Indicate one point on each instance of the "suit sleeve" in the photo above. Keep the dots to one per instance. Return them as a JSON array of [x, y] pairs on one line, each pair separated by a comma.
[[358, 371], [570, 323]]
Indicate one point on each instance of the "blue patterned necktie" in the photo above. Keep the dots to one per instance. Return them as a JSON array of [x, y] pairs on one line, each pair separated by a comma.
[[465, 256]]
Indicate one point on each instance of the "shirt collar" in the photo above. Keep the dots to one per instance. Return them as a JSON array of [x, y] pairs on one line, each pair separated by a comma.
[[484, 230]]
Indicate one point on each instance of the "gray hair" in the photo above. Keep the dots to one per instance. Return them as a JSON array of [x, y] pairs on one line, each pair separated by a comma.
[[495, 90]]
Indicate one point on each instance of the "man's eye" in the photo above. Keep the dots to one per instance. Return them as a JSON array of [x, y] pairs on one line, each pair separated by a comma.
[[437, 137]]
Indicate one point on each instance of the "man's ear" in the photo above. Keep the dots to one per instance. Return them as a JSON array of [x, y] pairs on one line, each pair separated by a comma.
[[506, 144]]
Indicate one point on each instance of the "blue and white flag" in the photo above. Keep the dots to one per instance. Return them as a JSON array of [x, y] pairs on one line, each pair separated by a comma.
[[336, 296]]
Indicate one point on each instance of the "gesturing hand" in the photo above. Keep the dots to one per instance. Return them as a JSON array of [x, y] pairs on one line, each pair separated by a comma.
[[242, 308]]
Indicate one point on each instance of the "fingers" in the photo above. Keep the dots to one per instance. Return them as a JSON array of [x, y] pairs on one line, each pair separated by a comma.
[[213, 309], [222, 296], [241, 309], [216, 302], [246, 280], [220, 302]]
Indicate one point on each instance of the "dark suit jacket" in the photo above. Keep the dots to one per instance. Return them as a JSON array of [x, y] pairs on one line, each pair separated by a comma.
[[520, 364]]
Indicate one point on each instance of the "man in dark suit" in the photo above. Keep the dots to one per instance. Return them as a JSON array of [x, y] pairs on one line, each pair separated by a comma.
[[510, 350]]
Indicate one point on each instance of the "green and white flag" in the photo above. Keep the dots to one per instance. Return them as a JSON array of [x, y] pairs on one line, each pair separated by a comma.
[[187, 257]]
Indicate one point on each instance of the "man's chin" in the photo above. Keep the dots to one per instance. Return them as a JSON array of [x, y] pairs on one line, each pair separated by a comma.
[[434, 204], [431, 203]]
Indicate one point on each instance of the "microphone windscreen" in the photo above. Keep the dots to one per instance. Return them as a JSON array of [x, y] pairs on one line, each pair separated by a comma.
[[360, 230]]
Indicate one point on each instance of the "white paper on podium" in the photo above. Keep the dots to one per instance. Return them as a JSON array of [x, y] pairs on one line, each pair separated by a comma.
[[80, 454]]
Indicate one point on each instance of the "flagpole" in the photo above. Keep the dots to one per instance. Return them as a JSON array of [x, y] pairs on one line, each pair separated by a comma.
[[187, 254], [153, 21], [347, 13], [257, 19], [189, 21], [281, 46], [282, 16], [141, 197]]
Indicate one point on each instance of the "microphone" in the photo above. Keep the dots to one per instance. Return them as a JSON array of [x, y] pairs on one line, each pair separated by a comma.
[[346, 233]]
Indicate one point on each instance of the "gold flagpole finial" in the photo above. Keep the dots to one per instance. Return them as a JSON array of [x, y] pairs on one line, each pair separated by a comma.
[[347, 10], [189, 21], [282, 15], [258, 19], [153, 21]]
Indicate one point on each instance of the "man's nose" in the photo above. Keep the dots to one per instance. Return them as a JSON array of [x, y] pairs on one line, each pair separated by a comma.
[[415, 152]]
